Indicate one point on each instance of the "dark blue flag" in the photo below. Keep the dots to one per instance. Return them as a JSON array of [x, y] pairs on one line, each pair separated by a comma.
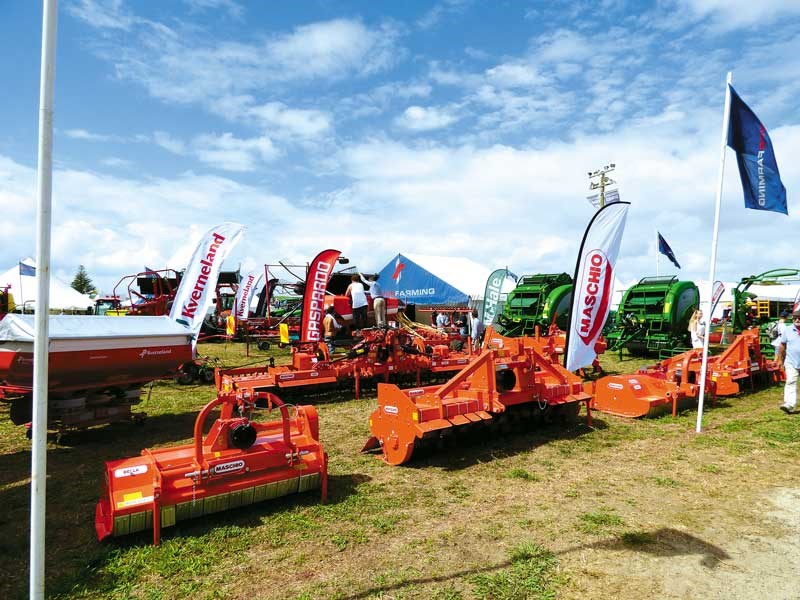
[[761, 181], [27, 270], [664, 248]]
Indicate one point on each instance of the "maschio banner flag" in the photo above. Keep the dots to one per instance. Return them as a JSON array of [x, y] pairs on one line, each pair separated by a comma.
[[758, 170], [199, 281], [319, 273], [594, 280], [491, 296], [249, 287]]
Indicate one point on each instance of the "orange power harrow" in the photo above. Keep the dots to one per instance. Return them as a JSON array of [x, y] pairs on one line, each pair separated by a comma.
[[510, 377], [382, 354], [672, 381], [239, 462]]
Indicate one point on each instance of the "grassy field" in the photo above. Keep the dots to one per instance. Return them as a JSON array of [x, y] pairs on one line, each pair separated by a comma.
[[627, 509]]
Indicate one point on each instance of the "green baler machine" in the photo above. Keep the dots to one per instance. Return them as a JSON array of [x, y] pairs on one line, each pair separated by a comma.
[[537, 300], [653, 316], [749, 310]]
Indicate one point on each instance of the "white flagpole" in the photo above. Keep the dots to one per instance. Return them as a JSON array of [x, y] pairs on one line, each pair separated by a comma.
[[41, 342], [712, 270], [21, 294], [658, 261]]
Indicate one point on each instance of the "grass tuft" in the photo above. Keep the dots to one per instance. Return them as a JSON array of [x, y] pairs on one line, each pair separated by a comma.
[[600, 521], [531, 574], [522, 474]]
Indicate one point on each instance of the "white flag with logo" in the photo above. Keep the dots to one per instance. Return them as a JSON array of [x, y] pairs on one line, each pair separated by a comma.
[[249, 287], [199, 281], [594, 282]]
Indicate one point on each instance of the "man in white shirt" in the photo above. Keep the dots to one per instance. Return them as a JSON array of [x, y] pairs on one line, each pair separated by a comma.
[[358, 299], [789, 355]]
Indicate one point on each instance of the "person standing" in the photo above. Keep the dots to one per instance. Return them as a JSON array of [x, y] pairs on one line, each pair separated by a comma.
[[789, 355], [442, 320], [378, 300], [358, 301], [330, 326], [697, 329], [776, 331], [477, 331]]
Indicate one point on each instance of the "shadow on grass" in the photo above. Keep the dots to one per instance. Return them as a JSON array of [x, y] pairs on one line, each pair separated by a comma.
[[75, 474], [461, 450], [662, 543], [83, 562]]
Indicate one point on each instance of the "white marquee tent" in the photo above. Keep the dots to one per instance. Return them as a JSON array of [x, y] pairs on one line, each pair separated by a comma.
[[23, 288]]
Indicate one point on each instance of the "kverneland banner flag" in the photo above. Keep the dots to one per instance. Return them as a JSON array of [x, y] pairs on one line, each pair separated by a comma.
[[491, 296], [319, 273], [249, 287], [199, 281], [594, 282]]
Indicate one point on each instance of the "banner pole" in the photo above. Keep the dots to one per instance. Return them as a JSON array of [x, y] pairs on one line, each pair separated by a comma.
[[712, 269], [658, 258], [41, 323]]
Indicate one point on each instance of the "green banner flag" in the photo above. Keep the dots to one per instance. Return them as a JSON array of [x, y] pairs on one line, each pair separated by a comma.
[[491, 296]]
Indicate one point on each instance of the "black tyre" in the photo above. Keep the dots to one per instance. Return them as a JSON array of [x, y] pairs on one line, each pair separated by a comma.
[[264, 345]]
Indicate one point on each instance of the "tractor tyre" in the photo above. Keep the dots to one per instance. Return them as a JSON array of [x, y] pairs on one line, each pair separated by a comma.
[[263, 345], [184, 376], [207, 375]]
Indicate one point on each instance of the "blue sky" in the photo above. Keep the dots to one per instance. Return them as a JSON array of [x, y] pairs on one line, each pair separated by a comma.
[[456, 128]]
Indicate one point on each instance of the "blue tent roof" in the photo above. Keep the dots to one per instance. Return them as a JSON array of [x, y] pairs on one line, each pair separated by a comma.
[[408, 281]]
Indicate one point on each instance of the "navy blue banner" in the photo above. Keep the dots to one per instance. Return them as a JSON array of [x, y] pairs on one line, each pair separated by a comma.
[[664, 248], [761, 181], [27, 270]]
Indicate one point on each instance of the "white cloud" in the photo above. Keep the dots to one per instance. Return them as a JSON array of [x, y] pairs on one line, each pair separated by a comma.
[[177, 67], [233, 154], [113, 161], [440, 11], [419, 118], [291, 122], [515, 75], [82, 134], [103, 14], [168, 142], [233, 8], [727, 15], [564, 46]]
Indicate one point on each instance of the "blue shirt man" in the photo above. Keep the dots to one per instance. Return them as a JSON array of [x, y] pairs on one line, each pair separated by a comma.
[[378, 300]]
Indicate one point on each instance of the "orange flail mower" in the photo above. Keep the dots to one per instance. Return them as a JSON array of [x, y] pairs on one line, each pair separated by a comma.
[[239, 462], [511, 377], [665, 385]]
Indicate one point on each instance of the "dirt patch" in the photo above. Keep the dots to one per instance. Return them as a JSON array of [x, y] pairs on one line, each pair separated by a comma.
[[750, 552]]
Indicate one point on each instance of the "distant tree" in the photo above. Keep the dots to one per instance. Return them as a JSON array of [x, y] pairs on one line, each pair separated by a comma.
[[82, 282]]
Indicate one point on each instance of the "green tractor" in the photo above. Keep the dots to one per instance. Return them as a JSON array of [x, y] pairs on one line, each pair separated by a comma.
[[653, 316], [538, 300]]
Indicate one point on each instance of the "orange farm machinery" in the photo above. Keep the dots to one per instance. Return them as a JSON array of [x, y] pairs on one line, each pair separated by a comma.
[[512, 378], [382, 354], [667, 384], [239, 462]]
